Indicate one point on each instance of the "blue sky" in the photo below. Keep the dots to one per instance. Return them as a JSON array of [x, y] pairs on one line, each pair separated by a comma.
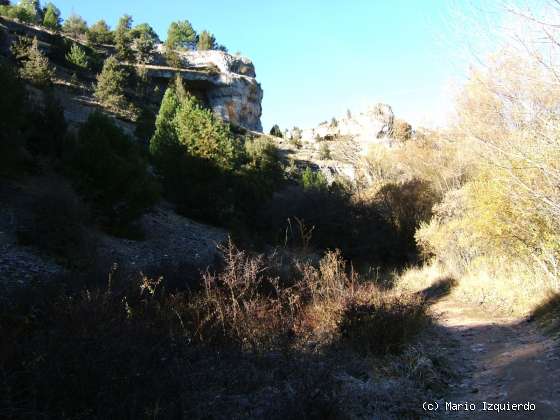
[[315, 59]]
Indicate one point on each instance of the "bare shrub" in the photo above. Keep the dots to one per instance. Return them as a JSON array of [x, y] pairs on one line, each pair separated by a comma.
[[381, 324]]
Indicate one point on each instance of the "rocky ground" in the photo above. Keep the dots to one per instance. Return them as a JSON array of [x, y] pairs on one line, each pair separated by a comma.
[[169, 241]]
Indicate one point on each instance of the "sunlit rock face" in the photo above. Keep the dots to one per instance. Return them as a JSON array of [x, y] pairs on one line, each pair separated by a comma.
[[372, 126], [228, 83]]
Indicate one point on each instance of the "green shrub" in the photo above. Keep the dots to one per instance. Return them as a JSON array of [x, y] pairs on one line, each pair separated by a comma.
[[77, 57], [111, 173], [311, 179]]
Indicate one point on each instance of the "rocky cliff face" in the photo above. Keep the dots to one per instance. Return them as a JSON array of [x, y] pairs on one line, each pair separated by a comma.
[[373, 126], [348, 140], [225, 83]]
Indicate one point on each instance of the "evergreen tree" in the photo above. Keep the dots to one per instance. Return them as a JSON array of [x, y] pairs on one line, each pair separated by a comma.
[[144, 29], [33, 7], [110, 170], [144, 46], [37, 68], [180, 35], [110, 85], [123, 39], [275, 131], [51, 18], [100, 33], [164, 145], [206, 41], [75, 26], [17, 12], [77, 56]]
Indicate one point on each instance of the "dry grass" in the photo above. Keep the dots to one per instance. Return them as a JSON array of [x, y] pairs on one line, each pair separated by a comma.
[[144, 351], [503, 287]]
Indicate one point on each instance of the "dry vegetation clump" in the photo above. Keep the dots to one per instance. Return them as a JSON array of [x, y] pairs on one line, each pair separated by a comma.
[[127, 350], [496, 170], [382, 324]]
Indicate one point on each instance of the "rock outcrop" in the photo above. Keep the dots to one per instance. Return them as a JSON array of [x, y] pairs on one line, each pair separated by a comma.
[[225, 83], [374, 126], [347, 139]]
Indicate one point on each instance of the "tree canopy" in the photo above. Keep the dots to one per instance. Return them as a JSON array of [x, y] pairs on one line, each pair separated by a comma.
[[181, 35], [100, 33], [75, 26], [206, 41], [51, 19]]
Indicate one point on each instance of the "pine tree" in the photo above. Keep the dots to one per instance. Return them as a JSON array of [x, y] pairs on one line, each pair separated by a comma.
[[37, 68], [164, 144], [144, 46], [146, 30], [52, 17], [110, 85], [77, 56], [33, 7], [75, 26], [206, 41], [180, 35], [123, 39], [100, 33]]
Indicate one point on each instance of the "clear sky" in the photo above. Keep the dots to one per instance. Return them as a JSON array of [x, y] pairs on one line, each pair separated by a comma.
[[317, 58]]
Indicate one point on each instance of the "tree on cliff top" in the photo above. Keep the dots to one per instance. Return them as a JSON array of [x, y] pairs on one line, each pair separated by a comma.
[[75, 26], [52, 17], [100, 33], [123, 39], [180, 35], [34, 9], [206, 41]]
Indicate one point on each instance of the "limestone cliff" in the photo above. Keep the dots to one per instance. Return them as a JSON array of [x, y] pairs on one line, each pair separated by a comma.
[[373, 126], [225, 83], [338, 147]]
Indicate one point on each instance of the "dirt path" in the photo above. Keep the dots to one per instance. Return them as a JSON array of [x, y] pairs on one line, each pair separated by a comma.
[[500, 360]]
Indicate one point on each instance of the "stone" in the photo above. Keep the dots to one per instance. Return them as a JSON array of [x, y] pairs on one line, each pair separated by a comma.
[[228, 82]]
